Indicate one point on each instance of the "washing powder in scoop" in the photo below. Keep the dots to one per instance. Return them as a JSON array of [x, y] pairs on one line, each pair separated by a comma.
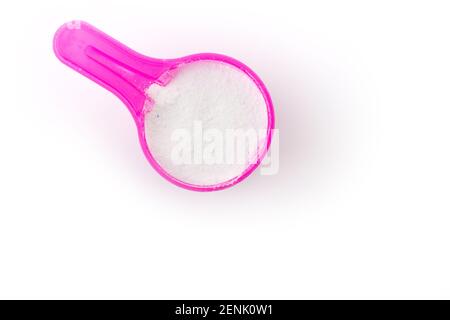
[[207, 125], [204, 121]]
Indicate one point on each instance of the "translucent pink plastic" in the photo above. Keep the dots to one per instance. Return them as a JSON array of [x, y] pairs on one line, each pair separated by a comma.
[[127, 74]]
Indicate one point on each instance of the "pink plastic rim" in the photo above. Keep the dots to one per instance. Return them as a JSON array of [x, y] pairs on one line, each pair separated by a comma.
[[127, 74]]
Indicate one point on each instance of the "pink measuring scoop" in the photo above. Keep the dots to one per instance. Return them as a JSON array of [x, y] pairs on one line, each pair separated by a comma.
[[128, 74]]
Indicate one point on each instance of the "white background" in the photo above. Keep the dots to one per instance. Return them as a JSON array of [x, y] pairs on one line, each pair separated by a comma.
[[360, 206]]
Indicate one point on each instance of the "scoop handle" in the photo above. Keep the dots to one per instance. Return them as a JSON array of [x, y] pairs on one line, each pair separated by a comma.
[[107, 62]]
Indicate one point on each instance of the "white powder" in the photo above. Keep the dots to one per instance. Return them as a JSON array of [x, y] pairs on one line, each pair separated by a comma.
[[205, 100]]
